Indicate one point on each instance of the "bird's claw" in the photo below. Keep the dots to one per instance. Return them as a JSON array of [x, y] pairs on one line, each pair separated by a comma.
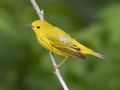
[[56, 67]]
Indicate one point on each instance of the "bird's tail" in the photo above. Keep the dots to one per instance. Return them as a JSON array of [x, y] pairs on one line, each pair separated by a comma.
[[98, 55], [85, 50]]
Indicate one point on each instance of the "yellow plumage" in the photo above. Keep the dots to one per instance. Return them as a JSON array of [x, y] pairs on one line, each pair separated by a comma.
[[59, 42]]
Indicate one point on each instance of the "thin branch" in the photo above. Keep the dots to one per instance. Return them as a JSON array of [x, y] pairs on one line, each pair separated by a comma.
[[57, 72], [39, 12]]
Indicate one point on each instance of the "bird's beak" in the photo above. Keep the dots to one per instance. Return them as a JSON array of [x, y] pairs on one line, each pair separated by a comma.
[[29, 25]]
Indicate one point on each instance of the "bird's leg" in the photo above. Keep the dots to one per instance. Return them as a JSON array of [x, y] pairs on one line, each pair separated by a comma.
[[57, 66]]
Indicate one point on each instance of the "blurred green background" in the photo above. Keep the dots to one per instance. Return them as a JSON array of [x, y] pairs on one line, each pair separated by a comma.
[[26, 65]]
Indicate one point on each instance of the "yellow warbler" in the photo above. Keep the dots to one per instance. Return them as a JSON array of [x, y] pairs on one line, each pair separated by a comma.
[[57, 41]]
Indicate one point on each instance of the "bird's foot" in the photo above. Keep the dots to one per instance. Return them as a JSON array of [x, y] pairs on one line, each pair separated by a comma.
[[56, 67]]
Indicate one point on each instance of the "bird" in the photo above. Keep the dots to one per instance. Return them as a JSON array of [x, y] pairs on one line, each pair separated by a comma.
[[58, 41]]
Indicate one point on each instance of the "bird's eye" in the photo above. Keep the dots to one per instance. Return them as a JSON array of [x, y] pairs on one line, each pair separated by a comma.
[[38, 27]]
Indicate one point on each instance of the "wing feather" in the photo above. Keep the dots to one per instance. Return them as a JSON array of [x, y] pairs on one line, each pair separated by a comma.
[[62, 41]]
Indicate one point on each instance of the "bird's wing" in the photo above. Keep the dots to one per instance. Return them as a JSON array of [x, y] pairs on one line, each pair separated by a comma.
[[62, 41]]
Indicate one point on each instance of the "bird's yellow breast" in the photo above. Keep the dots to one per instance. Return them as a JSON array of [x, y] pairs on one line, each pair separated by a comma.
[[43, 40]]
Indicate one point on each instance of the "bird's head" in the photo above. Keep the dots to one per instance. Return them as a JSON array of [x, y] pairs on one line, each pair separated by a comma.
[[39, 25]]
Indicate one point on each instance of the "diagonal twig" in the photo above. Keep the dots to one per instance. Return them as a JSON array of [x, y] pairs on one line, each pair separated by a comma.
[[57, 72]]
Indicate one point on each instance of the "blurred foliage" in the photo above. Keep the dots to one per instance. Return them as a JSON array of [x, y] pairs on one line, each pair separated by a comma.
[[25, 65]]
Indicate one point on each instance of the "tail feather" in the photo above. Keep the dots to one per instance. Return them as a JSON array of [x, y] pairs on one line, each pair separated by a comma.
[[98, 55]]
